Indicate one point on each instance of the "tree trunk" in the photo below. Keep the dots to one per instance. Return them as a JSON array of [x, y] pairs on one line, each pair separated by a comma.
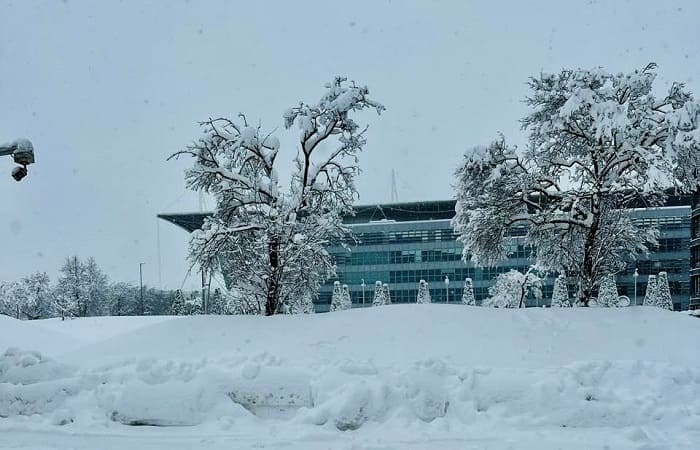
[[587, 277], [273, 285]]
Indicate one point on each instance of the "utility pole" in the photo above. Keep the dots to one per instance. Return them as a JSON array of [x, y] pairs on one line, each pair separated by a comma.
[[141, 288]]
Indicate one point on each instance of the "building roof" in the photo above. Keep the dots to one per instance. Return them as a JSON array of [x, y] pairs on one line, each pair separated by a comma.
[[397, 212], [189, 221]]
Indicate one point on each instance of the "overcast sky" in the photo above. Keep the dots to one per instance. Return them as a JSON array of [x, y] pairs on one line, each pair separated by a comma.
[[107, 90]]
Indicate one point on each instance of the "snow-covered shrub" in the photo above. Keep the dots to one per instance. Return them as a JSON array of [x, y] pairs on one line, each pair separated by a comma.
[[217, 303], [468, 293], [337, 297], [386, 294], [177, 308], [423, 292], [346, 300], [193, 304], [663, 292], [513, 288], [379, 299], [607, 292], [651, 296], [560, 293]]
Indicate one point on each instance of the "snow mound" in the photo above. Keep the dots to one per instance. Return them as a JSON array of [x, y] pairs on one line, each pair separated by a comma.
[[96, 329], [31, 383], [421, 368], [25, 334]]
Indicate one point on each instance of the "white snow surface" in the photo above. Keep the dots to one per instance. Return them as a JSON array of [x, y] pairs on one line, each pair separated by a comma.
[[96, 329], [400, 376], [14, 332]]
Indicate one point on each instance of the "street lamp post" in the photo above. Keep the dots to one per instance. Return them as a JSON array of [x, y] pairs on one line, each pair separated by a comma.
[[363, 292], [141, 287], [447, 289], [635, 275]]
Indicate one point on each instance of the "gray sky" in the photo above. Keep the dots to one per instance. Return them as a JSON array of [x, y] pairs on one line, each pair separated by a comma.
[[107, 90]]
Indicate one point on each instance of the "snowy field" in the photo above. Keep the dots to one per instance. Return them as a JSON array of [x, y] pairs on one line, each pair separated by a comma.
[[402, 376]]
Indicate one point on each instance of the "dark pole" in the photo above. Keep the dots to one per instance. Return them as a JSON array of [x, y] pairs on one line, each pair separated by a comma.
[[204, 291], [141, 287]]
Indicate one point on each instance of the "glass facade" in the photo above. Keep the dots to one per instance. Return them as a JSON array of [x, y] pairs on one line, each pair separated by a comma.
[[401, 244], [695, 253]]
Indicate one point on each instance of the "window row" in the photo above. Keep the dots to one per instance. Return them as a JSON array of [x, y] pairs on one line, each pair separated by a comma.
[[396, 257], [408, 236]]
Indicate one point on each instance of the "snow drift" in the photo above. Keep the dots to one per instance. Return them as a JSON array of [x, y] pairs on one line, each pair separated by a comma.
[[414, 367]]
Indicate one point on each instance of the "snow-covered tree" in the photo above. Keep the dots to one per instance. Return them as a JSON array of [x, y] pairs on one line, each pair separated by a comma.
[[651, 296], [81, 289], [468, 293], [597, 142], [217, 304], [379, 299], [386, 293], [29, 298], [303, 304], [39, 296], [607, 292], [340, 300], [337, 297], [177, 308], [560, 293], [285, 230], [663, 292], [71, 289], [4, 299], [96, 289], [155, 302], [513, 288], [346, 300], [423, 292], [14, 298], [121, 299], [193, 304]]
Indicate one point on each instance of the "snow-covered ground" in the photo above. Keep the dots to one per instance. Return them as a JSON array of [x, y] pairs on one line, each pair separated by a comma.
[[402, 376]]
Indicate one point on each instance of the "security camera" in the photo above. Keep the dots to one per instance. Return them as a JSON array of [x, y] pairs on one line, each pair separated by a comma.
[[18, 173], [24, 152]]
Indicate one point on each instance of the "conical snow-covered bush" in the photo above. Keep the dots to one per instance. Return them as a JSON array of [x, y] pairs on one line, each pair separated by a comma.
[[387, 294], [423, 292], [468, 293], [346, 302], [378, 295], [650, 297], [663, 292], [560, 293], [177, 308], [607, 292], [337, 298]]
